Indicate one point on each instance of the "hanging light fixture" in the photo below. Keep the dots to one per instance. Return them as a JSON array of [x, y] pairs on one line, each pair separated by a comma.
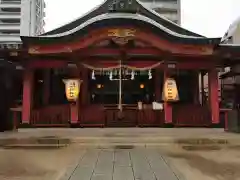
[[132, 75], [111, 76], [149, 74], [170, 91], [72, 88], [93, 75]]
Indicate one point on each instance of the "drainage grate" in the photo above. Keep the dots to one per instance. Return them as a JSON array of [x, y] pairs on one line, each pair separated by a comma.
[[202, 148], [124, 147]]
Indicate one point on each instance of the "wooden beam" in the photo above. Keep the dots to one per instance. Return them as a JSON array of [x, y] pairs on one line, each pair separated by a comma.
[[46, 64], [102, 34], [116, 52]]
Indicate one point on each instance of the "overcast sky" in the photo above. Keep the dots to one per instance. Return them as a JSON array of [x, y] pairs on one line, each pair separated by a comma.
[[207, 17]]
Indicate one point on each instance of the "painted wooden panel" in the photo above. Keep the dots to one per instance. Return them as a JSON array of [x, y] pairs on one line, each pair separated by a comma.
[[58, 115], [108, 116], [92, 115], [191, 115], [128, 117], [150, 118]]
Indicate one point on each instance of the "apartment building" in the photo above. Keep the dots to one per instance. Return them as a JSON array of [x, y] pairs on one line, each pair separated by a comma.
[[230, 79], [169, 9], [20, 17]]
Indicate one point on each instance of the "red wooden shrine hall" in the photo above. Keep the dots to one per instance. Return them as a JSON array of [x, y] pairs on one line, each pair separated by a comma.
[[121, 53]]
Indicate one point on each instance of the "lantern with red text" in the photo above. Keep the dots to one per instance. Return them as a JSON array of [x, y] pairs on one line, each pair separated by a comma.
[[170, 90], [72, 89]]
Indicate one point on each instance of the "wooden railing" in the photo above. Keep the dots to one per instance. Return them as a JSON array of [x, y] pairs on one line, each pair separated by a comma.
[[191, 115], [92, 116], [58, 115], [148, 117], [126, 118], [100, 116], [108, 115]]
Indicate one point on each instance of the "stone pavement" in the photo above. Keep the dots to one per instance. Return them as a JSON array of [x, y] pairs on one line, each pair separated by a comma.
[[121, 163]]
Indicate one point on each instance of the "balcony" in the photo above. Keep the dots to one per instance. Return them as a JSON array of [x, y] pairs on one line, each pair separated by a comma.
[[9, 26], [4, 15], [9, 38], [161, 5], [10, 2], [170, 16], [10, 6]]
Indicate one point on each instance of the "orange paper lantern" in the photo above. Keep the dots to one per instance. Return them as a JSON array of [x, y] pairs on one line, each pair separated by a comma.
[[170, 90], [72, 88]]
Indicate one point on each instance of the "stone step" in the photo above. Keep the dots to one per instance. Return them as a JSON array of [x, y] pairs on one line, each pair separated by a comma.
[[34, 146], [119, 140], [6, 141]]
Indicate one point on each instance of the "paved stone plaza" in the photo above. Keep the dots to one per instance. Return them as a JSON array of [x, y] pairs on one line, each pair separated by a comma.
[[131, 153], [122, 163]]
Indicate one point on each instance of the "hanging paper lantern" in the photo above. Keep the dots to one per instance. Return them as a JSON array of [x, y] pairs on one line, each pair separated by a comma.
[[170, 91], [72, 88]]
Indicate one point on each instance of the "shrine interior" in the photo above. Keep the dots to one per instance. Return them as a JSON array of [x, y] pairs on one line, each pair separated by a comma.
[[104, 89]]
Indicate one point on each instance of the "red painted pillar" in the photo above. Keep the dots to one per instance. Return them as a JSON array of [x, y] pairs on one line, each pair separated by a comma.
[[213, 95], [167, 106], [75, 113], [28, 79]]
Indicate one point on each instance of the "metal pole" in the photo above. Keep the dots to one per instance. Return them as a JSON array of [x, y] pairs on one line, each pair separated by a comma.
[[120, 86]]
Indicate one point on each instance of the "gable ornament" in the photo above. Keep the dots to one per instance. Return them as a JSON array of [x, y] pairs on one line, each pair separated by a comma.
[[121, 36], [121, 5]]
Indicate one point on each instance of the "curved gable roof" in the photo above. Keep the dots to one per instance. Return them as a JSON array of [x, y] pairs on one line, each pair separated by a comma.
[[126, 6], [115, 19]]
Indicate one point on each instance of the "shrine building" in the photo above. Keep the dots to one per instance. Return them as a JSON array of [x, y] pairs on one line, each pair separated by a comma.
[[133, 67]]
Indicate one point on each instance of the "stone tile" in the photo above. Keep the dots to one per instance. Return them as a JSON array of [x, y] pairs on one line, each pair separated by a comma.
[[86, 166], [90, 158], [159, 167], [106, 156], [104, 169], [101, 177], [82, 173], [123, 173], [141, 167], [135, 164], [121, 158], [105, 163]]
